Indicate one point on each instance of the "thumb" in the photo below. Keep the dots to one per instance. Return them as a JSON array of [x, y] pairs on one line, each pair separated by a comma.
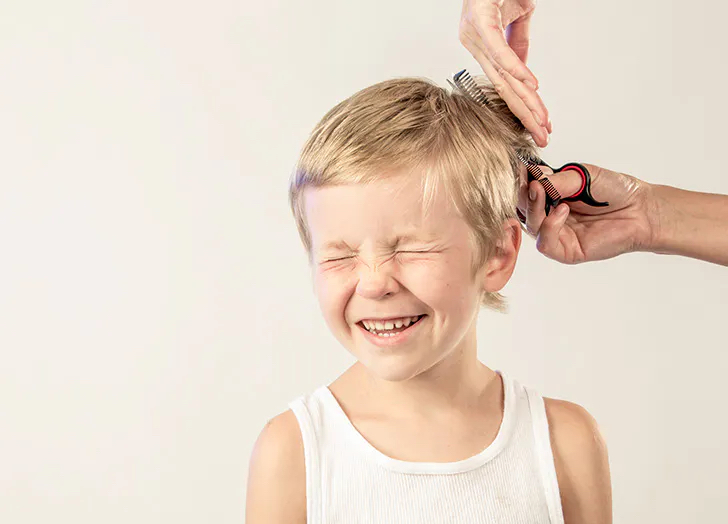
[[548, 236]]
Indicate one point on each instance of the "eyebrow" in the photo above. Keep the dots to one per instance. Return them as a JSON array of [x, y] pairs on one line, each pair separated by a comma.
[[340, 244]]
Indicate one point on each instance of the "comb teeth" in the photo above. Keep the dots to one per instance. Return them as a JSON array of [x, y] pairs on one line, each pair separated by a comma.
[[550, 189], [536, 172], [466, 83]]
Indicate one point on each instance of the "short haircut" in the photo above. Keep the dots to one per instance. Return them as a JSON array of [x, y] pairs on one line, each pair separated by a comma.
[[412, 123]]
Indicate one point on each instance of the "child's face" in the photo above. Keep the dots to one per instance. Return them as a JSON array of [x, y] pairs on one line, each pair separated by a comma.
[[370, 275]]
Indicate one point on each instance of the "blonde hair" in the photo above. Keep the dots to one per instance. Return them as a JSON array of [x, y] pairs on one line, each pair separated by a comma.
[[414, 123]]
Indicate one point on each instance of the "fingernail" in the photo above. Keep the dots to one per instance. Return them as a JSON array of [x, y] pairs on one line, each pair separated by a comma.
[[538, 119], [532, 194], [530, 84]]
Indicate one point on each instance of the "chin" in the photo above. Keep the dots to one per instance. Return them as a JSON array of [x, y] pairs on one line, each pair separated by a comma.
[[392, 367]]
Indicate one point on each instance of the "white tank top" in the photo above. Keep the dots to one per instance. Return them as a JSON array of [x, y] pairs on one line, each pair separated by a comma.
[[349, 481]]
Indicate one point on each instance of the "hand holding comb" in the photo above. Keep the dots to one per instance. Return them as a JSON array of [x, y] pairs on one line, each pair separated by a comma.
[[465, 84]]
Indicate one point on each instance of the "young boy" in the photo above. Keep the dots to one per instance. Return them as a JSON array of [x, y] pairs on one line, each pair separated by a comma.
[[405, 198]]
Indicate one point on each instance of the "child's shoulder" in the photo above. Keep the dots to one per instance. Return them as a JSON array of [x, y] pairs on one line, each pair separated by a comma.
[[560, 408], [569, 420], [282, 431], [573, 430], [276, 475], [580, 459]]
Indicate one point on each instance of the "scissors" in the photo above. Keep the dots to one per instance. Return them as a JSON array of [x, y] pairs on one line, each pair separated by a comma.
[[553, 198]]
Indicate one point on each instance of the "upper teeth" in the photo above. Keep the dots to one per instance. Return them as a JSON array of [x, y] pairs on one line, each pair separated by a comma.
[[388, 324]]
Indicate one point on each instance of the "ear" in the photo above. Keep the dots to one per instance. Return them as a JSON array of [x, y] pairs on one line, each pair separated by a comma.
[[498, 270]]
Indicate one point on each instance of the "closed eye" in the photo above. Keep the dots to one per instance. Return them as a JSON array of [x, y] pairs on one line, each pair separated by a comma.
[[396, 253]]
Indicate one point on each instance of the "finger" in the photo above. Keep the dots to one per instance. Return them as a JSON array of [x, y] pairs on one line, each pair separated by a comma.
[[567, 182], [548, 241], [515, 104], [517, 37], [495, 41], [479, 55], [529, 97], [536, 208], [522, 188]]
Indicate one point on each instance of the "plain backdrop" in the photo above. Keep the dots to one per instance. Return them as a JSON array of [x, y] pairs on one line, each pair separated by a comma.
[[156, 307]]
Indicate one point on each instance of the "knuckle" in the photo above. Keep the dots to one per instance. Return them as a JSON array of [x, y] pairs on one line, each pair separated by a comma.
[[465, 34], [464, 40]]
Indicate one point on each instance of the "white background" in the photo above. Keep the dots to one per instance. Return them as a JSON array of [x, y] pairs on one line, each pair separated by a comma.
[[155, 302]]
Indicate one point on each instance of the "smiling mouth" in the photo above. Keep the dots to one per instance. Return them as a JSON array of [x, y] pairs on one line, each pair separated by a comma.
[[393, 331]]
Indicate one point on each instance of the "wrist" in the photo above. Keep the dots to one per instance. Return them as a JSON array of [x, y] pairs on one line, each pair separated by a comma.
[[656, 207], [686, 223]]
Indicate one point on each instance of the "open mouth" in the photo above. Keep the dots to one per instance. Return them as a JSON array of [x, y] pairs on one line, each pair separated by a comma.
[[391, 332]]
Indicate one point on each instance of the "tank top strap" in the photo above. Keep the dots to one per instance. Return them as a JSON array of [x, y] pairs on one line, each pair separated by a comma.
[[309, 418], [542, 442]]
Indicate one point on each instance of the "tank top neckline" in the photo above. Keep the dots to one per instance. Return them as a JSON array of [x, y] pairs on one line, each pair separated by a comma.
[[491, 451]]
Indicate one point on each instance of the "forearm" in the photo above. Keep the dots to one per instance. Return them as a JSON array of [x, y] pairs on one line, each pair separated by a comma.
[[689, 223]]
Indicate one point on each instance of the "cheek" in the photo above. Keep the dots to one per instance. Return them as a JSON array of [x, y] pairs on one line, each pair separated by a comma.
[[438, 289], [330, 294], [448, 286], [434, 284], [334, 288], [335, 294]]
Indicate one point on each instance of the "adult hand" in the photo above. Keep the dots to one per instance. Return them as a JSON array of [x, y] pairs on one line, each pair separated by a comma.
[[483, 25], [575, 232]]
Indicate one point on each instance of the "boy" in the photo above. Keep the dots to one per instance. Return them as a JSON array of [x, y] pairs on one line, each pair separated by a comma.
[[405, 198]]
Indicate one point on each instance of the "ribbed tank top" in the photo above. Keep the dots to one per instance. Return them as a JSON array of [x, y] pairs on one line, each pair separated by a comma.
[[349, 481]]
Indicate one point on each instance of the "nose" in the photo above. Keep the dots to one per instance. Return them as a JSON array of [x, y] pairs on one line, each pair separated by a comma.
[[376, 278]]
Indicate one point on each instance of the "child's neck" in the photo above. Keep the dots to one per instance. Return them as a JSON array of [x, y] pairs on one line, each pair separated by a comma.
[[448, 389]]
